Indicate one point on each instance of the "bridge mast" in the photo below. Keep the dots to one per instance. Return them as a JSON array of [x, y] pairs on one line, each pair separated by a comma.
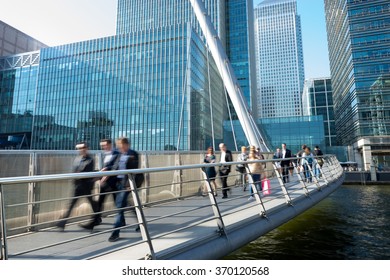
[[230, 81]]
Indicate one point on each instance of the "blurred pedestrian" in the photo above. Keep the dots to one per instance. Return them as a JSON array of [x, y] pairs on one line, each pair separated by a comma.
[[83, 187], [210, 171], [224, 170]]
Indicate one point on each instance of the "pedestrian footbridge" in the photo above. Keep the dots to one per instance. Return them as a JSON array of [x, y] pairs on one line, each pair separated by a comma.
[[178, 215]]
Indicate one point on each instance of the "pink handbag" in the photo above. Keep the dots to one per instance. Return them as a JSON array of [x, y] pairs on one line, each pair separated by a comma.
[[266, 186]]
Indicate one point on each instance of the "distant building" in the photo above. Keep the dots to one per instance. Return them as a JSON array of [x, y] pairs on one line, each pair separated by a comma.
[[317, 100], [279, 58], [13, 41], [294, 131], [359, 54]]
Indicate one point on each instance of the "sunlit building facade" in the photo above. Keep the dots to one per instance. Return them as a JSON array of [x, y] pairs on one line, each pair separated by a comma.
[[279, 58], [359, 54], [317, 100]]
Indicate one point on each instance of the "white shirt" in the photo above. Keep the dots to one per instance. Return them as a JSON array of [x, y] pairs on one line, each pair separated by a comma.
[[284, 153], [107, 156], [223, 156]]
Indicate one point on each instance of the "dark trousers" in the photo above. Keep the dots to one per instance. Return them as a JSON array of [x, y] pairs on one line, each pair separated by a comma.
[[80, 190], [105, 188], [224, 176], [120, 202], [285, 173]]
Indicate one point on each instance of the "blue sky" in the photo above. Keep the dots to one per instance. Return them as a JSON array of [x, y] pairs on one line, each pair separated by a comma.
[[57, 22]]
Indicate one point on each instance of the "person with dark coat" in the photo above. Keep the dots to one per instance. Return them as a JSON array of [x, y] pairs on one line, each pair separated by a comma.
[[128, 159], [210, 171], [224, 170], [82, 163], [285, 164], [107, 184]]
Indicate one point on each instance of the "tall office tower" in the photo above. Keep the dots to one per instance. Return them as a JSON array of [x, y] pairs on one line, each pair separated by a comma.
[[138, 15], [233, 20], [359, 54], [317, 100], [13, 41], [279, 59], [240, 48]]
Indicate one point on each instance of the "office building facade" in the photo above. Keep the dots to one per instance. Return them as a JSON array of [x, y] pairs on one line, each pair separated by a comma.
[[126, 85], [279, 59], [240, 48], [317, 100], [359, 54], [13, 41], [157, 86]]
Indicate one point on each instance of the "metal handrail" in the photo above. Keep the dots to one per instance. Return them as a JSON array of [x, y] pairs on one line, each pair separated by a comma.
[[83, 175], [333, 170]]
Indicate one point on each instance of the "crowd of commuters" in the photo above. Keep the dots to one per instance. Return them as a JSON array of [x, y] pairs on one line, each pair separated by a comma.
[[121, 158], [306, 161]]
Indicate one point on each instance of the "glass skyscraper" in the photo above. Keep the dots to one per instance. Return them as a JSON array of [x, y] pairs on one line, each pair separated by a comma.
[[359, 53], [143, 85], [279, 58], [317, 100], [240, 47]]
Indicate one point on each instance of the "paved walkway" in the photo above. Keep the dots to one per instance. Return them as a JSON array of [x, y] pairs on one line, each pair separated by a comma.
[[168, 231]]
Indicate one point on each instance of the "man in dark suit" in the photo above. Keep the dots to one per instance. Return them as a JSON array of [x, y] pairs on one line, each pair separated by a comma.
[[128, 159], [82, 163], [224, 170], [285, 164], [107, 184]]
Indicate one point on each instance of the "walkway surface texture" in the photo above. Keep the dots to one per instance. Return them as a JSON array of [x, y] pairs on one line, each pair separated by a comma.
[[170, 235]]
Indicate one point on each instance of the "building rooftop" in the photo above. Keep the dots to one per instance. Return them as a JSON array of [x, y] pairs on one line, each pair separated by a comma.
[[272, 2]]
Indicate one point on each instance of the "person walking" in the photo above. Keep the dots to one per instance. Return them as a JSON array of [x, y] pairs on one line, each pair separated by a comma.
[[320, 161], [83, 187], [128, 159], [301, 168], [224, 170], [256, 169], [307, 161], [285, 164], [107, 184], [240, 168], [210, 171]]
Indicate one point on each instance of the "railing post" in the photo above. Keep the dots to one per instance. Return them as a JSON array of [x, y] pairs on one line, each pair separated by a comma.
[[31, 207], [214, 205], [304, 187], [322, 172], [177, 185], [281, 183], [256, 194], [314, 178], [141, 217], [329, 161], [145, 190], [3, 226]]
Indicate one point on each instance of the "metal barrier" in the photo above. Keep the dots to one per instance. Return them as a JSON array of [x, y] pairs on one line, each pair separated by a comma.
[[304, 179]]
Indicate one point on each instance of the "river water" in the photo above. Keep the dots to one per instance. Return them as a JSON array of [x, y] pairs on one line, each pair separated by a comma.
[[352, 223]]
